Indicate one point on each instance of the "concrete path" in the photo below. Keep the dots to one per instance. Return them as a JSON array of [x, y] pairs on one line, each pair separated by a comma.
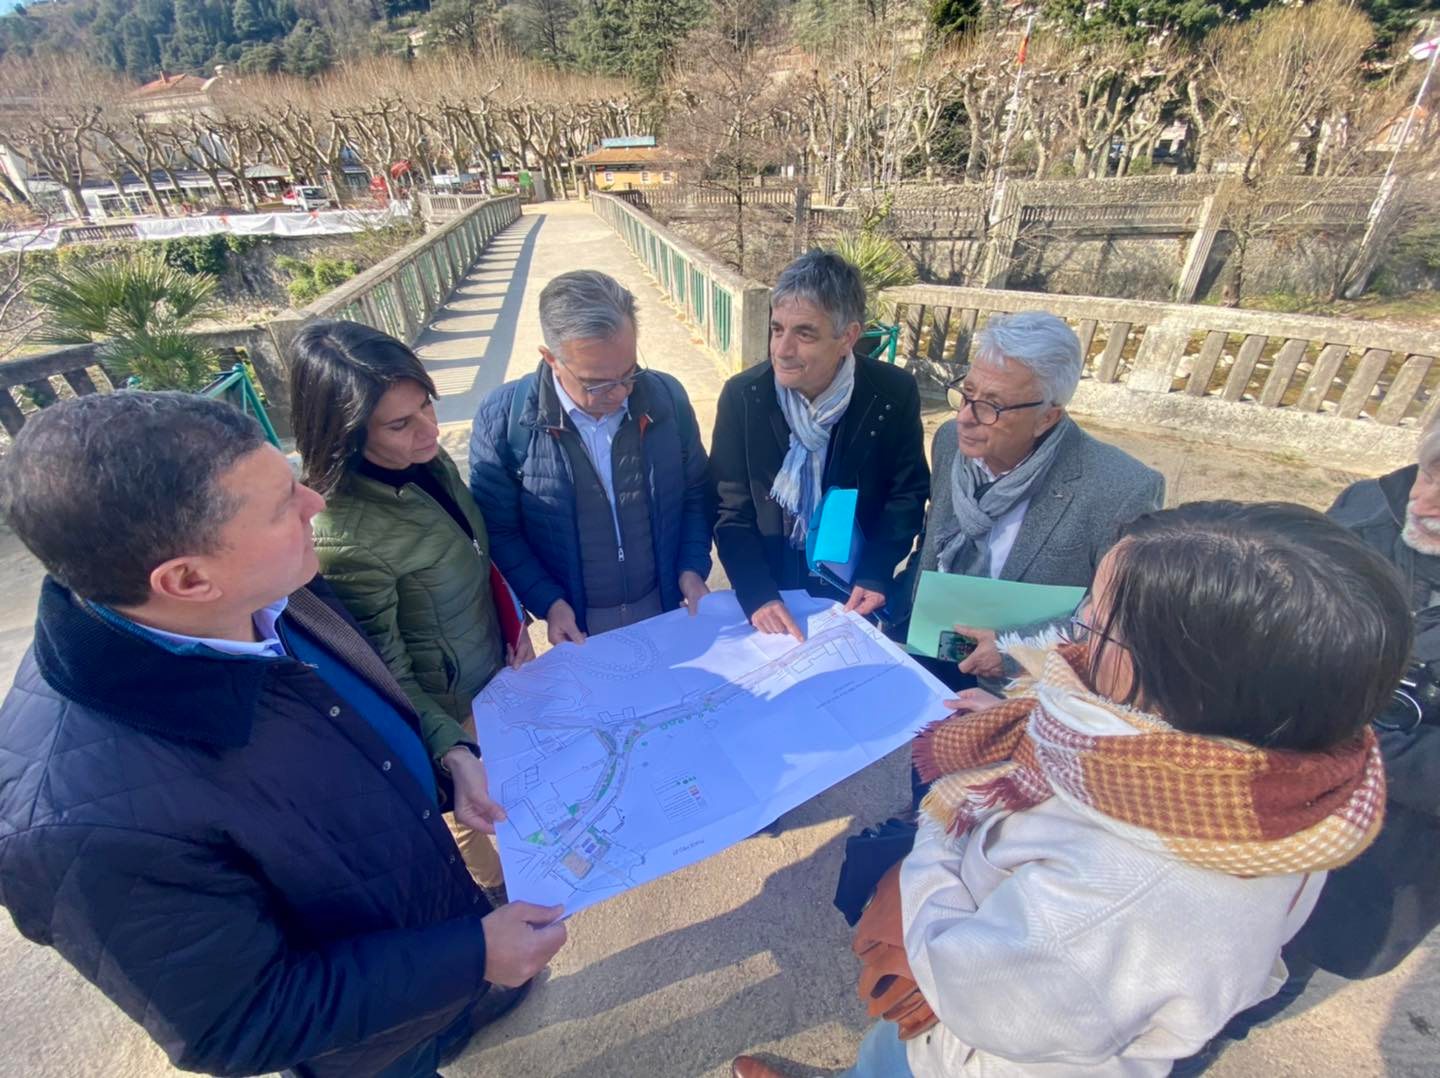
[[489, 331], [742, 952]]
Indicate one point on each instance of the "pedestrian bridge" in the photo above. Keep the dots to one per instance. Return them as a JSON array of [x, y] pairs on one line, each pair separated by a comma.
[[742, 952]]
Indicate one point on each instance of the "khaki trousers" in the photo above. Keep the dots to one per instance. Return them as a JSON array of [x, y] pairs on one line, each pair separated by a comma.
[[476, 848], [479, 852]]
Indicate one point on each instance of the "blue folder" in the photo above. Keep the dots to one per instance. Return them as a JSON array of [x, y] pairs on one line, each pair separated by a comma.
[[834, 542]]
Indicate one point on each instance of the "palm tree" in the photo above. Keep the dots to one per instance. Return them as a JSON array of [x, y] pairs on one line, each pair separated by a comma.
[[882, 263], [140, 310]]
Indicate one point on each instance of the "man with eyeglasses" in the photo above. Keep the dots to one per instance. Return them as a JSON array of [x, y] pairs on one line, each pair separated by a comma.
[[1019, 491], [590, 472]]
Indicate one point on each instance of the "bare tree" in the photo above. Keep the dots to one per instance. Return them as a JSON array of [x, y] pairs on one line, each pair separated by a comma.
[[51, 121], [724, 110], [1270, 87], [25, 229]]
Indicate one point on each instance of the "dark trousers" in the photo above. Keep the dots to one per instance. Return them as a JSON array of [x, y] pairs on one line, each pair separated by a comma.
[[1239, 1027], [423, 1060], [949, 675]]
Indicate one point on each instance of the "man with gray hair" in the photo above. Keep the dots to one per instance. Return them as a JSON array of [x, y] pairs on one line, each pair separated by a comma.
[[590, 473], [816, 417], [1029, 496]]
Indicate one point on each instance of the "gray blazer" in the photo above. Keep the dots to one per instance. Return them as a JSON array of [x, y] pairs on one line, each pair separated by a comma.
[[1091, 490]]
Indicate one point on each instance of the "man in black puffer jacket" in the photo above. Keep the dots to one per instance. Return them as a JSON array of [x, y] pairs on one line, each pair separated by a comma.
[[214, 801]]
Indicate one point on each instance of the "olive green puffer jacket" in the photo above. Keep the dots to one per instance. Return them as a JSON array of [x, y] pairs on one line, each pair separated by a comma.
[[420, 589]]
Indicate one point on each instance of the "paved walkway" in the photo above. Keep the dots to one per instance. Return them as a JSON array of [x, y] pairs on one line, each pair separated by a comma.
[[742, 952], [489, 331]]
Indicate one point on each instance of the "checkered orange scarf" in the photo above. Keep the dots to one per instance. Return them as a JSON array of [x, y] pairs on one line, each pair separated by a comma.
[[1220, 804]]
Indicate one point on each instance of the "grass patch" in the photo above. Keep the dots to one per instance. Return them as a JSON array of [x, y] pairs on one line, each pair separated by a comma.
[[1420, 309]]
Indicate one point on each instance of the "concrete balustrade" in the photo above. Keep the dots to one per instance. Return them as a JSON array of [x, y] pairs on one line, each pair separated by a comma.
[[1275, 381], [398, 295]]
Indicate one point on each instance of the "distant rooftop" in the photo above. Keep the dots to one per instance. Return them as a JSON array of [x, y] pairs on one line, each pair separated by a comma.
[[640, 155], [171, 85]]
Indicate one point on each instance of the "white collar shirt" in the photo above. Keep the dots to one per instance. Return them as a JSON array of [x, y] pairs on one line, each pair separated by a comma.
[[268, 646], [598, 438], [1003, 533]]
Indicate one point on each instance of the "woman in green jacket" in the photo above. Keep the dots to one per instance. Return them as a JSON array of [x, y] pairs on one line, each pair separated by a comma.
[[404, 546]]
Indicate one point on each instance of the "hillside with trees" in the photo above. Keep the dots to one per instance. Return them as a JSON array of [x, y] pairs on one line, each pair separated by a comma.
[[637, 39]]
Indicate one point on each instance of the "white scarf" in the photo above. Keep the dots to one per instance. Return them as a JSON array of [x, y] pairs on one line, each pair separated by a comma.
[[797, 485]]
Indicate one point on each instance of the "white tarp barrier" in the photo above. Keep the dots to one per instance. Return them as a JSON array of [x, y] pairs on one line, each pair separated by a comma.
[[314, 223], [31, 239]]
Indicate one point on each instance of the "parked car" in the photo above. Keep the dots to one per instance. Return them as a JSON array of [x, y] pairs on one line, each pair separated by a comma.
[[306, 198]]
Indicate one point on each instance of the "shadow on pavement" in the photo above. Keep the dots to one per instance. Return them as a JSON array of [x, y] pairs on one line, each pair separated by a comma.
[[771, 1009], [1410, 1042], [503, 256]]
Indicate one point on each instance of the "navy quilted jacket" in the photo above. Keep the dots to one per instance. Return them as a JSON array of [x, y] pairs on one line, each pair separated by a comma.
[[224, 848], [534, 536]]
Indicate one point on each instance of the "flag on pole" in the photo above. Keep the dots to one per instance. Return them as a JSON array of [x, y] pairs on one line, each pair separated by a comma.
[[1025, 44], [1422, 51]]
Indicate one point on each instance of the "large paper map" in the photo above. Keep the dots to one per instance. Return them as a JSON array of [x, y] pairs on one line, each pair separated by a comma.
[[651, 747]]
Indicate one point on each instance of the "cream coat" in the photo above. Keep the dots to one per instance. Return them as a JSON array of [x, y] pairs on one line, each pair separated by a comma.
[[1049, 946]]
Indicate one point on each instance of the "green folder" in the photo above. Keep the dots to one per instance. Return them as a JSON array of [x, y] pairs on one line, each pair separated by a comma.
[[945, 600]]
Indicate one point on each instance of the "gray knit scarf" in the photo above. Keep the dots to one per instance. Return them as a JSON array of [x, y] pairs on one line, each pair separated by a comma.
[[962, 542], [797, 485]]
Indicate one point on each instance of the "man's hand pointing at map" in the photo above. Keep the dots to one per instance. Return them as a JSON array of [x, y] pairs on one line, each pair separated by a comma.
[[864, 601], [473, 804], [775, 618]]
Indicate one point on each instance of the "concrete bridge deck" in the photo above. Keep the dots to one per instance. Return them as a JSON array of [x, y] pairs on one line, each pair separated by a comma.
[[742, 952]]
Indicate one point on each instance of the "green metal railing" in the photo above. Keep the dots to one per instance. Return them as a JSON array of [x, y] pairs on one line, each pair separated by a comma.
[[234, 387], [400, 295], [708, 295]]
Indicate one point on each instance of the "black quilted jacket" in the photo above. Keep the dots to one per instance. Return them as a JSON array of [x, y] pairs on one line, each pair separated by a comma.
[[224, 848]]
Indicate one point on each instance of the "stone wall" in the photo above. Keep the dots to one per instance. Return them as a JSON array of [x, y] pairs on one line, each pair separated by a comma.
[[1151, 237], [1127, 237], [1127, 267]]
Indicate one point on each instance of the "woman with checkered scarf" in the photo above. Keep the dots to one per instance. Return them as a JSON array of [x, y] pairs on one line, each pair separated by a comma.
[[1110, 860]]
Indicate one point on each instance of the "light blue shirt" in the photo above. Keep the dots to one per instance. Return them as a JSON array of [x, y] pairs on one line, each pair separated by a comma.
[[598, 437], [267, 647], [352, 688]]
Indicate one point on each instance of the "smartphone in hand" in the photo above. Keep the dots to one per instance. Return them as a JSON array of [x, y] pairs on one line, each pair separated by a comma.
[[954, 648]]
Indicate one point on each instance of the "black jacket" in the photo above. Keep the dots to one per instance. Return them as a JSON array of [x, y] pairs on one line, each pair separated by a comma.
[[224, 848], [878, 447], [1377, 909]]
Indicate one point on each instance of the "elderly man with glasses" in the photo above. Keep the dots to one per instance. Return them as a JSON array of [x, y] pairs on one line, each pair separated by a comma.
[[595, 488], [1029, 496]]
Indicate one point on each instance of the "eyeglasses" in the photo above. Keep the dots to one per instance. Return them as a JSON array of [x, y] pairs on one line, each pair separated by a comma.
[[600, 389], [1082, 632], [986, 414]]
